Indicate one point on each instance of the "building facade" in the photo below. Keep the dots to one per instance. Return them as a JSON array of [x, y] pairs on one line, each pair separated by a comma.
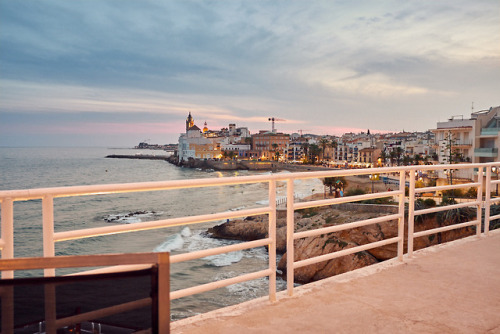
[[270, 146]]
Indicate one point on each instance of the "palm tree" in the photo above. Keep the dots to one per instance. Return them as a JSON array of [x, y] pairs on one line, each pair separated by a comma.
[[417, 159], [399, 155], [383, 156], [314, 152], [334, 182], [275, 150], [392, 156], [323, 143], [305, 147]]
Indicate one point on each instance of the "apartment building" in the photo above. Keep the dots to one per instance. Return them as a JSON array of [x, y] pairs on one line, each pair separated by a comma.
[[474, 139], [269, 144]]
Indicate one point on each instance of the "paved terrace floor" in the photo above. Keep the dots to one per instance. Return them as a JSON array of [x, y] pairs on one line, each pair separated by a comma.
[[453, 288]]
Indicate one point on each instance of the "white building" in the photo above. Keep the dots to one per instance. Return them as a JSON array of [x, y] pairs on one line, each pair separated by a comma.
[[468, 140]]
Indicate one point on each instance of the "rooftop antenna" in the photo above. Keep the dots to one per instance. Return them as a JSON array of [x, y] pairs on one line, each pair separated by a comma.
[[472, 107]]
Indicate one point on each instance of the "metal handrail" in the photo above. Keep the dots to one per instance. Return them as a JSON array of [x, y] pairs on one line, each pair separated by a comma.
[[50, 237]]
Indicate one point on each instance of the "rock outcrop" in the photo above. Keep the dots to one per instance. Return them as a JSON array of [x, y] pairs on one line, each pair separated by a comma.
[[253, 228]]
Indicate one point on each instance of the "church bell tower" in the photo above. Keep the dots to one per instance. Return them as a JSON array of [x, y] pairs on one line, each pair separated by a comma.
[[189, 121]]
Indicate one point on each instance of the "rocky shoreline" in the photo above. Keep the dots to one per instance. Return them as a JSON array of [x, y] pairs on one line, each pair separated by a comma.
[[252, 228], [241, 165]]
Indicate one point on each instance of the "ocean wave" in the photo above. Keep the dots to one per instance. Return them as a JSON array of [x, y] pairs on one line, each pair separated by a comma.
[[173, 242], [199, 241], [186, 232], [256, 253], [227, 259], [237, 208], [254, 288]]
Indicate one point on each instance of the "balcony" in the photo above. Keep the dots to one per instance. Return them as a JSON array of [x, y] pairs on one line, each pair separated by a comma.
[[490, 132], [486, 152], [400, 298], [464, 144]]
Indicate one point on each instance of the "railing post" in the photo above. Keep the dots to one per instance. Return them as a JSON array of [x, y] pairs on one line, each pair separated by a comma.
[[411, 213], [401, 221], [48, 231], [290, 227], [272, 236], [487, 197], [8, 233], [479, 198]]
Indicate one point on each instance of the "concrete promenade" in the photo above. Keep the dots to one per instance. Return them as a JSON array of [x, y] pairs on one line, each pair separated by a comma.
[[452, 288]]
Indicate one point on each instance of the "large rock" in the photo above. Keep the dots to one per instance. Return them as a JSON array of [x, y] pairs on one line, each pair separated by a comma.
[[315, 246], [253, 228]]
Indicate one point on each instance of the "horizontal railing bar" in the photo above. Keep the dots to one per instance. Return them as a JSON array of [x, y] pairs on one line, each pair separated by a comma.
[[104, 312], [71, 261], [336, 228], [495, 200], [380, 170], [341, 200], [28, 194], [219, 250], [444, 228], [115, 229], [495, 181], [344, 252], [494, 217], [445, 208], [218, 284], [447, 187]]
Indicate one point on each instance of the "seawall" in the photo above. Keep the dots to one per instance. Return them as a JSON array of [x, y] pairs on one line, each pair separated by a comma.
[[139, 156]]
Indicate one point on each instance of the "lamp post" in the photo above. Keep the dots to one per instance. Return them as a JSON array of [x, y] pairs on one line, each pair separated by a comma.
[[373, 178]]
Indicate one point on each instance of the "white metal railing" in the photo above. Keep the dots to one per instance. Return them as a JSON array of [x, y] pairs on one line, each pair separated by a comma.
[[406, 174]]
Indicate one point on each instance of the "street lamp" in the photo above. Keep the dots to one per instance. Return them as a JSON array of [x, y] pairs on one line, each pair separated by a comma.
[[373, 178]]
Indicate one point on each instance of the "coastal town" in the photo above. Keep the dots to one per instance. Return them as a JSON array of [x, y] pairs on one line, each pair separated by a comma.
[[460, 139]]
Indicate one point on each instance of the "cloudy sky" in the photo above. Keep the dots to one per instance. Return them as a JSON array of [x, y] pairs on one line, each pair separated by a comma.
[[114, 73]]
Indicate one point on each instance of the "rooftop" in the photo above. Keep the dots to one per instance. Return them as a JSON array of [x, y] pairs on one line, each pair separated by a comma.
[[450, 288]]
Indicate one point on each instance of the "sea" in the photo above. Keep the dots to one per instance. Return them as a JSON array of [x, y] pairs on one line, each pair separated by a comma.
[[26, 168]]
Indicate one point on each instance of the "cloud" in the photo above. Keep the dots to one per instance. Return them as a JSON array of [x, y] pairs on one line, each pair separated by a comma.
[[311, 62]]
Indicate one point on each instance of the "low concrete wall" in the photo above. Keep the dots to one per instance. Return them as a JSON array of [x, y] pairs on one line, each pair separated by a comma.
[[223, 165], [258, 165]]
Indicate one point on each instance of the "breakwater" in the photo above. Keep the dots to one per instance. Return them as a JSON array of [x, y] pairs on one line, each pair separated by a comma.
[[138, 156], [223, 165], [226, 165]]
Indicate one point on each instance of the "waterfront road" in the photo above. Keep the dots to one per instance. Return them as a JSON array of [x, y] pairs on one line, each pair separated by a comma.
[[453, 288]]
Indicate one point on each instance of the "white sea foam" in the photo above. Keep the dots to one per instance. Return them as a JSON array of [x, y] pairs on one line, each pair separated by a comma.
[[249, 288], [223, 260], [173, 242], [263, 202], [186, 232], [199, 241], [237, 208], [256, 253]]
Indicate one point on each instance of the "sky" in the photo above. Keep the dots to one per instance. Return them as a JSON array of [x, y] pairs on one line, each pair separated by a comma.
[[117, 72]]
